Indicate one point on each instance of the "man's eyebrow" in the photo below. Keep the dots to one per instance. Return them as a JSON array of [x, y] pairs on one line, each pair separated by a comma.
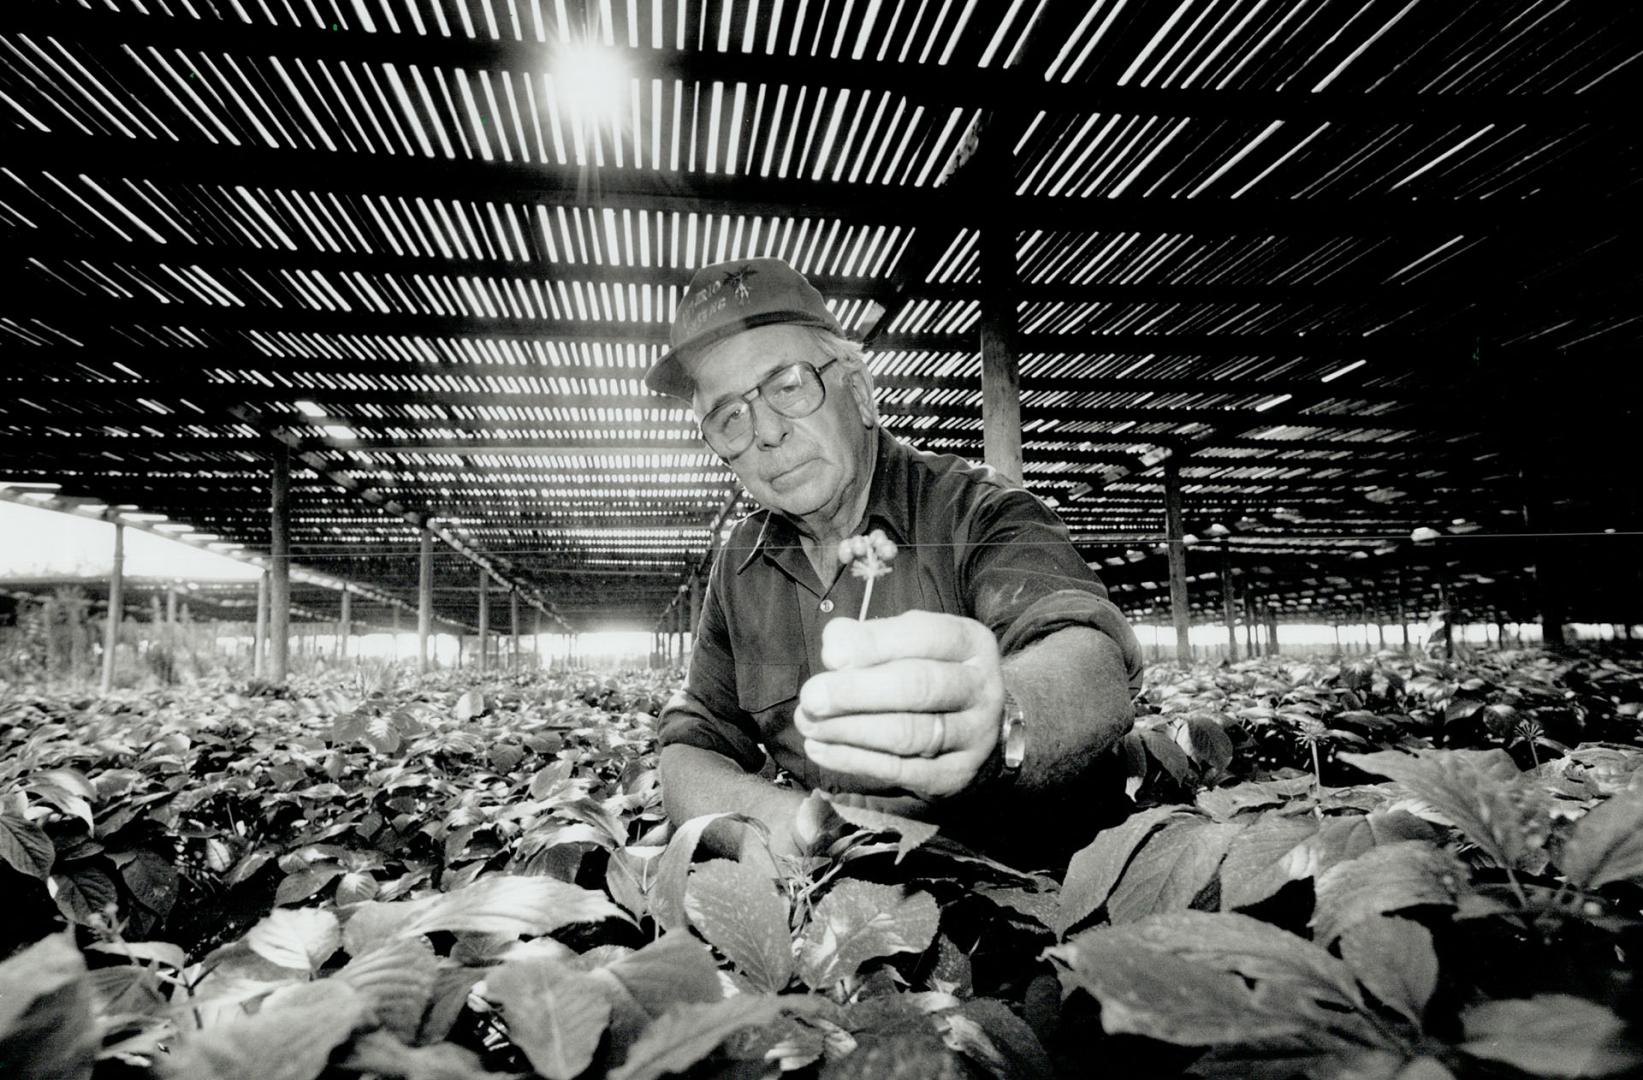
[[771, 370]]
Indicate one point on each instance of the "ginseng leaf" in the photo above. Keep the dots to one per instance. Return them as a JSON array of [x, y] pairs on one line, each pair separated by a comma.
[[1096, 868], [380, 1054], [1551, 1035], [1395, 960], [498, 904], [297, 938], [82, 894], [1265, 857], [1147, 992], [911, 833], [1389, 878], [1249, 948], [1606, 845], [642, 986], [859, 921], [290, 1038], [26, 846], [672, 871], [46, 1026], [1479, 791], [555, 1014], [740, 912], [397, 982], [688, 1033], [1170, 870]]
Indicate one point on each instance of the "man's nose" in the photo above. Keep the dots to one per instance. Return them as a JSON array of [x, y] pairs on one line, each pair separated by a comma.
[[770, 428]]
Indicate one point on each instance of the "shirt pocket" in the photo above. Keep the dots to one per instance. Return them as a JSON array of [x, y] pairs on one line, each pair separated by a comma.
[[769, 693]]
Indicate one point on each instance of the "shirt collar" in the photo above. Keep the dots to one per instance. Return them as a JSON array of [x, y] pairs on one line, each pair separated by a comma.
[[887, 504]]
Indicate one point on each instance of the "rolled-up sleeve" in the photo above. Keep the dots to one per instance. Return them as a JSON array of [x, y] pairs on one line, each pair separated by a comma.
[[704, 712], [1025, 579]]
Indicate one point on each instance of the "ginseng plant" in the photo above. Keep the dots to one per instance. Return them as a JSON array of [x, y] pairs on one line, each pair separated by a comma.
[[869, 559]]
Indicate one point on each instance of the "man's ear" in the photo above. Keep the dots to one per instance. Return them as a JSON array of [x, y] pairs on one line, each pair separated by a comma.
[[861, 392]]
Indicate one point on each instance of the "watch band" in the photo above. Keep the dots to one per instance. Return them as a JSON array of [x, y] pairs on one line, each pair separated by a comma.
[[1012, 736]]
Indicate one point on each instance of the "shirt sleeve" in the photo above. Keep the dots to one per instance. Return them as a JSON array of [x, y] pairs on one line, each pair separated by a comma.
[[704, 712], [1025, 580]]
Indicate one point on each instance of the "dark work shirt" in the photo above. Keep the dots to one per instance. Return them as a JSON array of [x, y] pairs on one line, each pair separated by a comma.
[[969, 544]]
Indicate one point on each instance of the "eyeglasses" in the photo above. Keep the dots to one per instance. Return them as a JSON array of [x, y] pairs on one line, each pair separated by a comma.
[[794, 391]]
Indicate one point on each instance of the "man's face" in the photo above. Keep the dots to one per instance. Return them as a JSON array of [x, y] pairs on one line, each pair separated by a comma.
[[806, 466]]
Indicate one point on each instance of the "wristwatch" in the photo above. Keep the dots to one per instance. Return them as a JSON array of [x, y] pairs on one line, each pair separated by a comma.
[[1012, 737]]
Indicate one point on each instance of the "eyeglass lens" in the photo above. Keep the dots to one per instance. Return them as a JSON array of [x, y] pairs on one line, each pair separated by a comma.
[[793, 391]]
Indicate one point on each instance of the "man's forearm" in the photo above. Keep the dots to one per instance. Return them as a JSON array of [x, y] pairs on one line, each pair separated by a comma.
[[1073, 689], [696, 782]]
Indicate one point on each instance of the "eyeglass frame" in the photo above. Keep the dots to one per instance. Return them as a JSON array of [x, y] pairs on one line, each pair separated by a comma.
[[756, 392]]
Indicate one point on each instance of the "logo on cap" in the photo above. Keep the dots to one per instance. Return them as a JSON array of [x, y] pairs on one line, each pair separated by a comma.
[[739, 278]]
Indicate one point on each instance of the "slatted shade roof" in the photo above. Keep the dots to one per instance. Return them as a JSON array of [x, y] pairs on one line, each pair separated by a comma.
[[1356, 266]]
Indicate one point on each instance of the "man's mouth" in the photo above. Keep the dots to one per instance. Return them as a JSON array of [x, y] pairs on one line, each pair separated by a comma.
[[788, 471]]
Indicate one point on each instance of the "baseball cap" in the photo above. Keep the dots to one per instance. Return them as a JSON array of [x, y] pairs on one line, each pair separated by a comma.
[[727, 298]]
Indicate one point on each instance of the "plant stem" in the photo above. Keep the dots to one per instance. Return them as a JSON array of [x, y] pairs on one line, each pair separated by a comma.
[[1317, 782], [866, 598]]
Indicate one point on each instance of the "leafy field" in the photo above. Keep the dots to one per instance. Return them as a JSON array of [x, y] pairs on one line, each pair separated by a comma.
[[1384, 869]]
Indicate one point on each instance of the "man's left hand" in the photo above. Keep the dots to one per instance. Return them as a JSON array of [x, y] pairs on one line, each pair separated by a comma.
[[911, 702]]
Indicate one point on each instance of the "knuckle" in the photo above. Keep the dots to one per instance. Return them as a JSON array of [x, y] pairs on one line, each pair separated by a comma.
[[910, 739]]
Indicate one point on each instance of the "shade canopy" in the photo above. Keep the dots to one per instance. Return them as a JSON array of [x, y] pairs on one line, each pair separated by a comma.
[[1359, 268]]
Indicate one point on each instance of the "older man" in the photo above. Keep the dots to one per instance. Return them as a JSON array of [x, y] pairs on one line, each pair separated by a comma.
[[991, 681]]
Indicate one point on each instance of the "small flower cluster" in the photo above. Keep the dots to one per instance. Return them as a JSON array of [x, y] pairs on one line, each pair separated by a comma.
[[868, 558]]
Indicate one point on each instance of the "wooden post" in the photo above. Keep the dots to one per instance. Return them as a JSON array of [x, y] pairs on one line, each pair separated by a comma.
[[48, 619], [394, 652], [513, 628], [424, 599], [1174, 533], [1403, 622], [536, 641], [1000, 373], [345, 629], [259, 633], [279, 594], [116, 607], [1229, 603], [1272, 631], [1537, 518], [484, 619], [1448, 627]]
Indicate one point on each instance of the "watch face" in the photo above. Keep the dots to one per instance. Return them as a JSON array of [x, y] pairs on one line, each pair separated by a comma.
[[1015, 743], [1014, 735]]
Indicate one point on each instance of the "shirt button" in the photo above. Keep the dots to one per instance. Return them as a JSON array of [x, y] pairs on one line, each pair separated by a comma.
[[826, 606]]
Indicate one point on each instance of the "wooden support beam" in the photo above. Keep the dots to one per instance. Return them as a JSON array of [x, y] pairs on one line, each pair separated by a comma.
[[1000, 372], [259, 635], [116, 608], [345, 624], [927, 85], [513, 629], [322, 170], [279, 553], [1229, 604], [1539, 525], [424, 599], [484, 642], [1174, 534]]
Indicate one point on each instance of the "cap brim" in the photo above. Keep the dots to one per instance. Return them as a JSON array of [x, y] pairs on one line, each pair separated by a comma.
[[669, 375]]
